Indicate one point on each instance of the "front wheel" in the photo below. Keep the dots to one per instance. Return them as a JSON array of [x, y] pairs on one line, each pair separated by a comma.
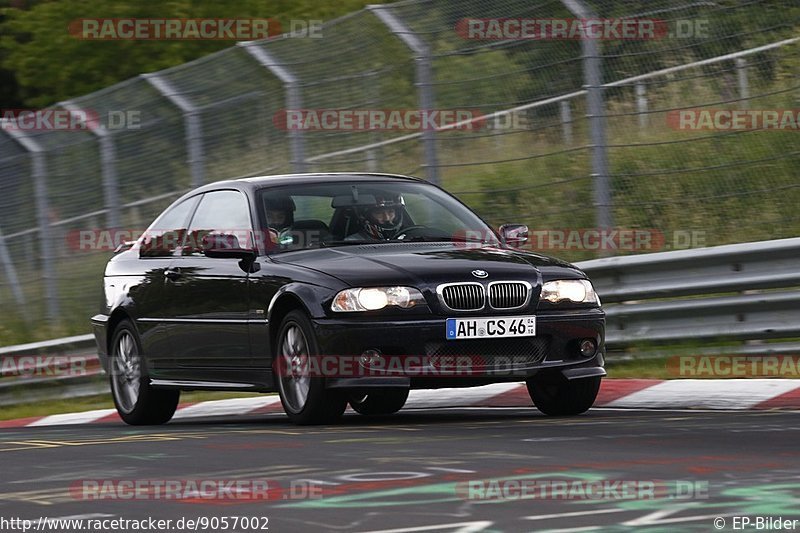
[[137, 403], [379, 402], [554, 395], [304, 396]]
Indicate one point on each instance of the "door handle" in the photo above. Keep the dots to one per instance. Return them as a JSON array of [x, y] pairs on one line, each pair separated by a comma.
[[172, 273]]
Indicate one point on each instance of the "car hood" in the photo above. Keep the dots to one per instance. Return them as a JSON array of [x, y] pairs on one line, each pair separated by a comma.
[[421, 264]]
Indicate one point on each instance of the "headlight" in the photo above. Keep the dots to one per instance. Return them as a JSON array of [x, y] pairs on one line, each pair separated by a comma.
[[374, 298], [573, 290]]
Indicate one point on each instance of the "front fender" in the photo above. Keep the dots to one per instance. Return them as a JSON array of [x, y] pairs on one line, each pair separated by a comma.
[[311, 297]]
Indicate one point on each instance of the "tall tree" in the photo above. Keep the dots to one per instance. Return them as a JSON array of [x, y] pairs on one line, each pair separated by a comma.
[[42, 63]]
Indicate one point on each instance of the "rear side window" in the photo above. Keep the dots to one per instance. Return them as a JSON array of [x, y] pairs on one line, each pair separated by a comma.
[[219, 212], [176, 217], [168, 231]]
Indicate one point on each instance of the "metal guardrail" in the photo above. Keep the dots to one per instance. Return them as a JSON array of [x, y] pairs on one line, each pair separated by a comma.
[[740, 292], [58, 346], [53, 369]]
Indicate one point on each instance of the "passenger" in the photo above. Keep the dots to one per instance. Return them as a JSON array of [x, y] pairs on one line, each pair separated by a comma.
[[280, 217]]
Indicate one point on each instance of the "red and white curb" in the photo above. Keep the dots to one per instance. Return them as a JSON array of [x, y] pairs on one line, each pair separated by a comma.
[[722, 394]]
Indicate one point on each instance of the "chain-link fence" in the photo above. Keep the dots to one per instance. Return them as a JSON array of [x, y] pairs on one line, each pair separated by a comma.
[[575, 127]]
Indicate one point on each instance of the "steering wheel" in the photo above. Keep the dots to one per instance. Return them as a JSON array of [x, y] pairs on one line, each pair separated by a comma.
[[418, 232], [405, 232]]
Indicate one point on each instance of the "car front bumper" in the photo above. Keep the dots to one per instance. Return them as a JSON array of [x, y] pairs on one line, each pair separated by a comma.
[[415, 352]]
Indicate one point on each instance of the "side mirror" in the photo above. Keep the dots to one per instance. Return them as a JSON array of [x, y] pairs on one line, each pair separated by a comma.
[[158, 243], [223, 245], [514, 235]]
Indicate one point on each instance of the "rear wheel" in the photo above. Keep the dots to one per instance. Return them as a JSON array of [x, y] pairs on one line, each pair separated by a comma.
[[379, 402], [304, 397], [555, 395], [136, 401]]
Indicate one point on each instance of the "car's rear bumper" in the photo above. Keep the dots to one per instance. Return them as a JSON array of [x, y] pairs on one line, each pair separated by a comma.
[[415, 353]]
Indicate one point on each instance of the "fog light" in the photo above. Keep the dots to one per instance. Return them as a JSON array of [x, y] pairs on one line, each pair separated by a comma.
[[370, 357], [588, 347]]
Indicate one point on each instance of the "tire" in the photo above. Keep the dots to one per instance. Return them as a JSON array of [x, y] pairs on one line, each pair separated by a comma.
[[305, 399], [137, 403], [379, 402], [554, 395]]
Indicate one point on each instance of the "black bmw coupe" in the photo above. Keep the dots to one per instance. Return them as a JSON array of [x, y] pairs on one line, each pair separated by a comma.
[[340, 288]]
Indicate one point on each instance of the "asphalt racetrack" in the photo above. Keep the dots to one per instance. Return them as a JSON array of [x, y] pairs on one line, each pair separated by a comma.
[[420, 470]]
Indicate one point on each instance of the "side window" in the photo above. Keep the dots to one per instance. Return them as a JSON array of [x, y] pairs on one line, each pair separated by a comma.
[[167, 232], [218, 212]]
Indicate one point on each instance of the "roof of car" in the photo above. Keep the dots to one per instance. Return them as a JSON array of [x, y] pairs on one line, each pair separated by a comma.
[[256, 182], [312, 177]]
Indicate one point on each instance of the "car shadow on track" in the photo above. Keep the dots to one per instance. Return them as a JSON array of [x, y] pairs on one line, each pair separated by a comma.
[[414, 417]]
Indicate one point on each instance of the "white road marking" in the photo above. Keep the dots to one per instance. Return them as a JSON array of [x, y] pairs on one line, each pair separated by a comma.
[[573, 529], [463, 527], [234, 406], [658, 517], [85, 417], [576, 513], [456, 396], [728, 394]]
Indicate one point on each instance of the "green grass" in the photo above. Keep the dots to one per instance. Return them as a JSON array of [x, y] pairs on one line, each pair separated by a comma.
[[655, 368]]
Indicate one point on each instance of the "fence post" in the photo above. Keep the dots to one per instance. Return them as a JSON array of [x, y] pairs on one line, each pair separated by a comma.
[[744, 82], [373, 158], [566, 120], [596, 113], [39, 175], [294, 98], [424, 75], [642, 105], [192, 125], [11, 275], [108, 163]]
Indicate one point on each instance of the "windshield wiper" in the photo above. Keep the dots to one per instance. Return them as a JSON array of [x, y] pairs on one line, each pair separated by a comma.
[[456, 239], [331, 244], [418, 238]]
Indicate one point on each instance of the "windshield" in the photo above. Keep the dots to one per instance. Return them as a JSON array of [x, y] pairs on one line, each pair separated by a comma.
[[317, 215]]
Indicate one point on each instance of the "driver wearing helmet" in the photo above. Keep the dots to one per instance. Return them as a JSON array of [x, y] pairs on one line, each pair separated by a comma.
[[382, 221], [280, 217]]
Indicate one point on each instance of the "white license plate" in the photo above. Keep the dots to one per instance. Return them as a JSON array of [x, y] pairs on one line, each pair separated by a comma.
[[483, 328]]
